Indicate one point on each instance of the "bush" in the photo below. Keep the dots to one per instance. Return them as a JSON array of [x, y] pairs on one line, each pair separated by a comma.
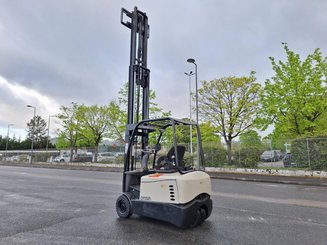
[[119, 160], [310, 153], [214, 154], [249, 157], [41, 157]]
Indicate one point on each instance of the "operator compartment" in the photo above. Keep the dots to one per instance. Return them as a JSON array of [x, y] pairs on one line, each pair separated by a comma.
[[174, 187]]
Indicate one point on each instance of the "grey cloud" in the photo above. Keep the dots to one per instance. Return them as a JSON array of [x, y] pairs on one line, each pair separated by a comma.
[[78, 51]]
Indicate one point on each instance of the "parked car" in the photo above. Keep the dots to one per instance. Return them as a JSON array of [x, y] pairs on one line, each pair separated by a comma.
[[103, 156], [270, 156], [84, 157], [80, 157], [119, 154], [280, 154], [62, 158], [287, 160]]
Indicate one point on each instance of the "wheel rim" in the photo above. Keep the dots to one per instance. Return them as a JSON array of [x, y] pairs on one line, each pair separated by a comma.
[[122, 207]]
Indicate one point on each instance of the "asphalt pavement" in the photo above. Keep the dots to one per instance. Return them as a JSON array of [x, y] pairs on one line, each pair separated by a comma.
[[57, 206]]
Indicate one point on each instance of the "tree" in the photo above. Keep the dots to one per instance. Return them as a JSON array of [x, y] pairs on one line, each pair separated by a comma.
[[117, 123], [231, 105], [70, 125], [37, 129], [118, 112], [94, 123], [209, 133], [294, 99], [61, 141], [250, 138], [154, 110]]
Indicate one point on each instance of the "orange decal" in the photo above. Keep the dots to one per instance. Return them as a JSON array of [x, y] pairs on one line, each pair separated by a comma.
[[155, 175]]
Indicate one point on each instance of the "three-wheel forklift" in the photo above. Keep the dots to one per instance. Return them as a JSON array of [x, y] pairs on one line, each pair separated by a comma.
[[160, 180]]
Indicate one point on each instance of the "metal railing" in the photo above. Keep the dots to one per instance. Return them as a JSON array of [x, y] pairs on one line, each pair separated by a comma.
[[304, 153]]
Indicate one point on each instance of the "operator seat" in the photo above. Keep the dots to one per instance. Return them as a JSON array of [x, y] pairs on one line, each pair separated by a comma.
[[168, 162], [180, 154]]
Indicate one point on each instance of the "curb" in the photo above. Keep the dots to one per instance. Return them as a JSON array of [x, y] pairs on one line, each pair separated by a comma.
[[295, 180]]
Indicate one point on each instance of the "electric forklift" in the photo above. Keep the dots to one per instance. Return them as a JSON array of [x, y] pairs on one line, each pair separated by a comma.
[[161, 179]]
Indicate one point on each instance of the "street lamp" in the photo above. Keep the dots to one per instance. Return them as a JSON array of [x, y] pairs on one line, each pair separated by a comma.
[[191, 60], [48, 133], [189, 79], [8, 137], [33, 132]]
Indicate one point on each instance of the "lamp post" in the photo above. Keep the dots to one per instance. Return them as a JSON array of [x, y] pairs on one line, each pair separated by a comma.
[[191, 60], [189, 79], [47, 147], [33, 132], [8, 137]]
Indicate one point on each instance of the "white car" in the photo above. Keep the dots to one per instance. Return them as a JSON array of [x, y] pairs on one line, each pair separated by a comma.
[[119, 154], [103, 156], [64, 158]]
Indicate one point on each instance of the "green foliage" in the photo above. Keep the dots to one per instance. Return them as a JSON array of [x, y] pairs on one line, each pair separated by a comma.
[[41, 157], [117, 122], [209, 133], [214, 151], [276, 141], [214, 154], [37, 128], [154, 111], [14, 143], [62, 142], [294, 99], [310, 153], [250, 138], [118, 113], [70, 125], [94, 121], [250, 149], [86, 126], [183, 133], [231, 105]]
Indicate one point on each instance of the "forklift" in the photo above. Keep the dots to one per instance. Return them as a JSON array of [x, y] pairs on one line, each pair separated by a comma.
[[160, 179]]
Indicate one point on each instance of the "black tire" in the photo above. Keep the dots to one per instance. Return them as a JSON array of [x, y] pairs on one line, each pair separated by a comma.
[[203, 213], [197, 218], [123, 207], [62, 160]]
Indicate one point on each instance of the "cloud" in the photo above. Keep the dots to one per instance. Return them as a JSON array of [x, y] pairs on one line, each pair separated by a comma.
[[77, 50], [14, 98]]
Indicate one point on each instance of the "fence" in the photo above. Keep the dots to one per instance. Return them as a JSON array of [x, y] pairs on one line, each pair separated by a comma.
[[305, 153]]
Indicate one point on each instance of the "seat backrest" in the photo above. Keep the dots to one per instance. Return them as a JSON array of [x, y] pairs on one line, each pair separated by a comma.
[[180, 154]]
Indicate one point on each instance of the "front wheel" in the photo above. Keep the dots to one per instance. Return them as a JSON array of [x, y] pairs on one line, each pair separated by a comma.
[[123, 207]]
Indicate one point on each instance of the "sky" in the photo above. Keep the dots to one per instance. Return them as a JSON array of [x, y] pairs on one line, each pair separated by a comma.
[[53, 53]]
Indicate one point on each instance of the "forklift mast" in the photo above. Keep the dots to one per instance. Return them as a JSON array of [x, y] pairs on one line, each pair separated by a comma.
[[139, 76]]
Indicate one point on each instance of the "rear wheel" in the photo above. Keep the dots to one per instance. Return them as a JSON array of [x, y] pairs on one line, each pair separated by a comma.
[[197, 218], [203, 215], [200, 217], [123, 207]]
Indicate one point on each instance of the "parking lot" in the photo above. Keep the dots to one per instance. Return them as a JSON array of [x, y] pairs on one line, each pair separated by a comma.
[[51, 206]]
